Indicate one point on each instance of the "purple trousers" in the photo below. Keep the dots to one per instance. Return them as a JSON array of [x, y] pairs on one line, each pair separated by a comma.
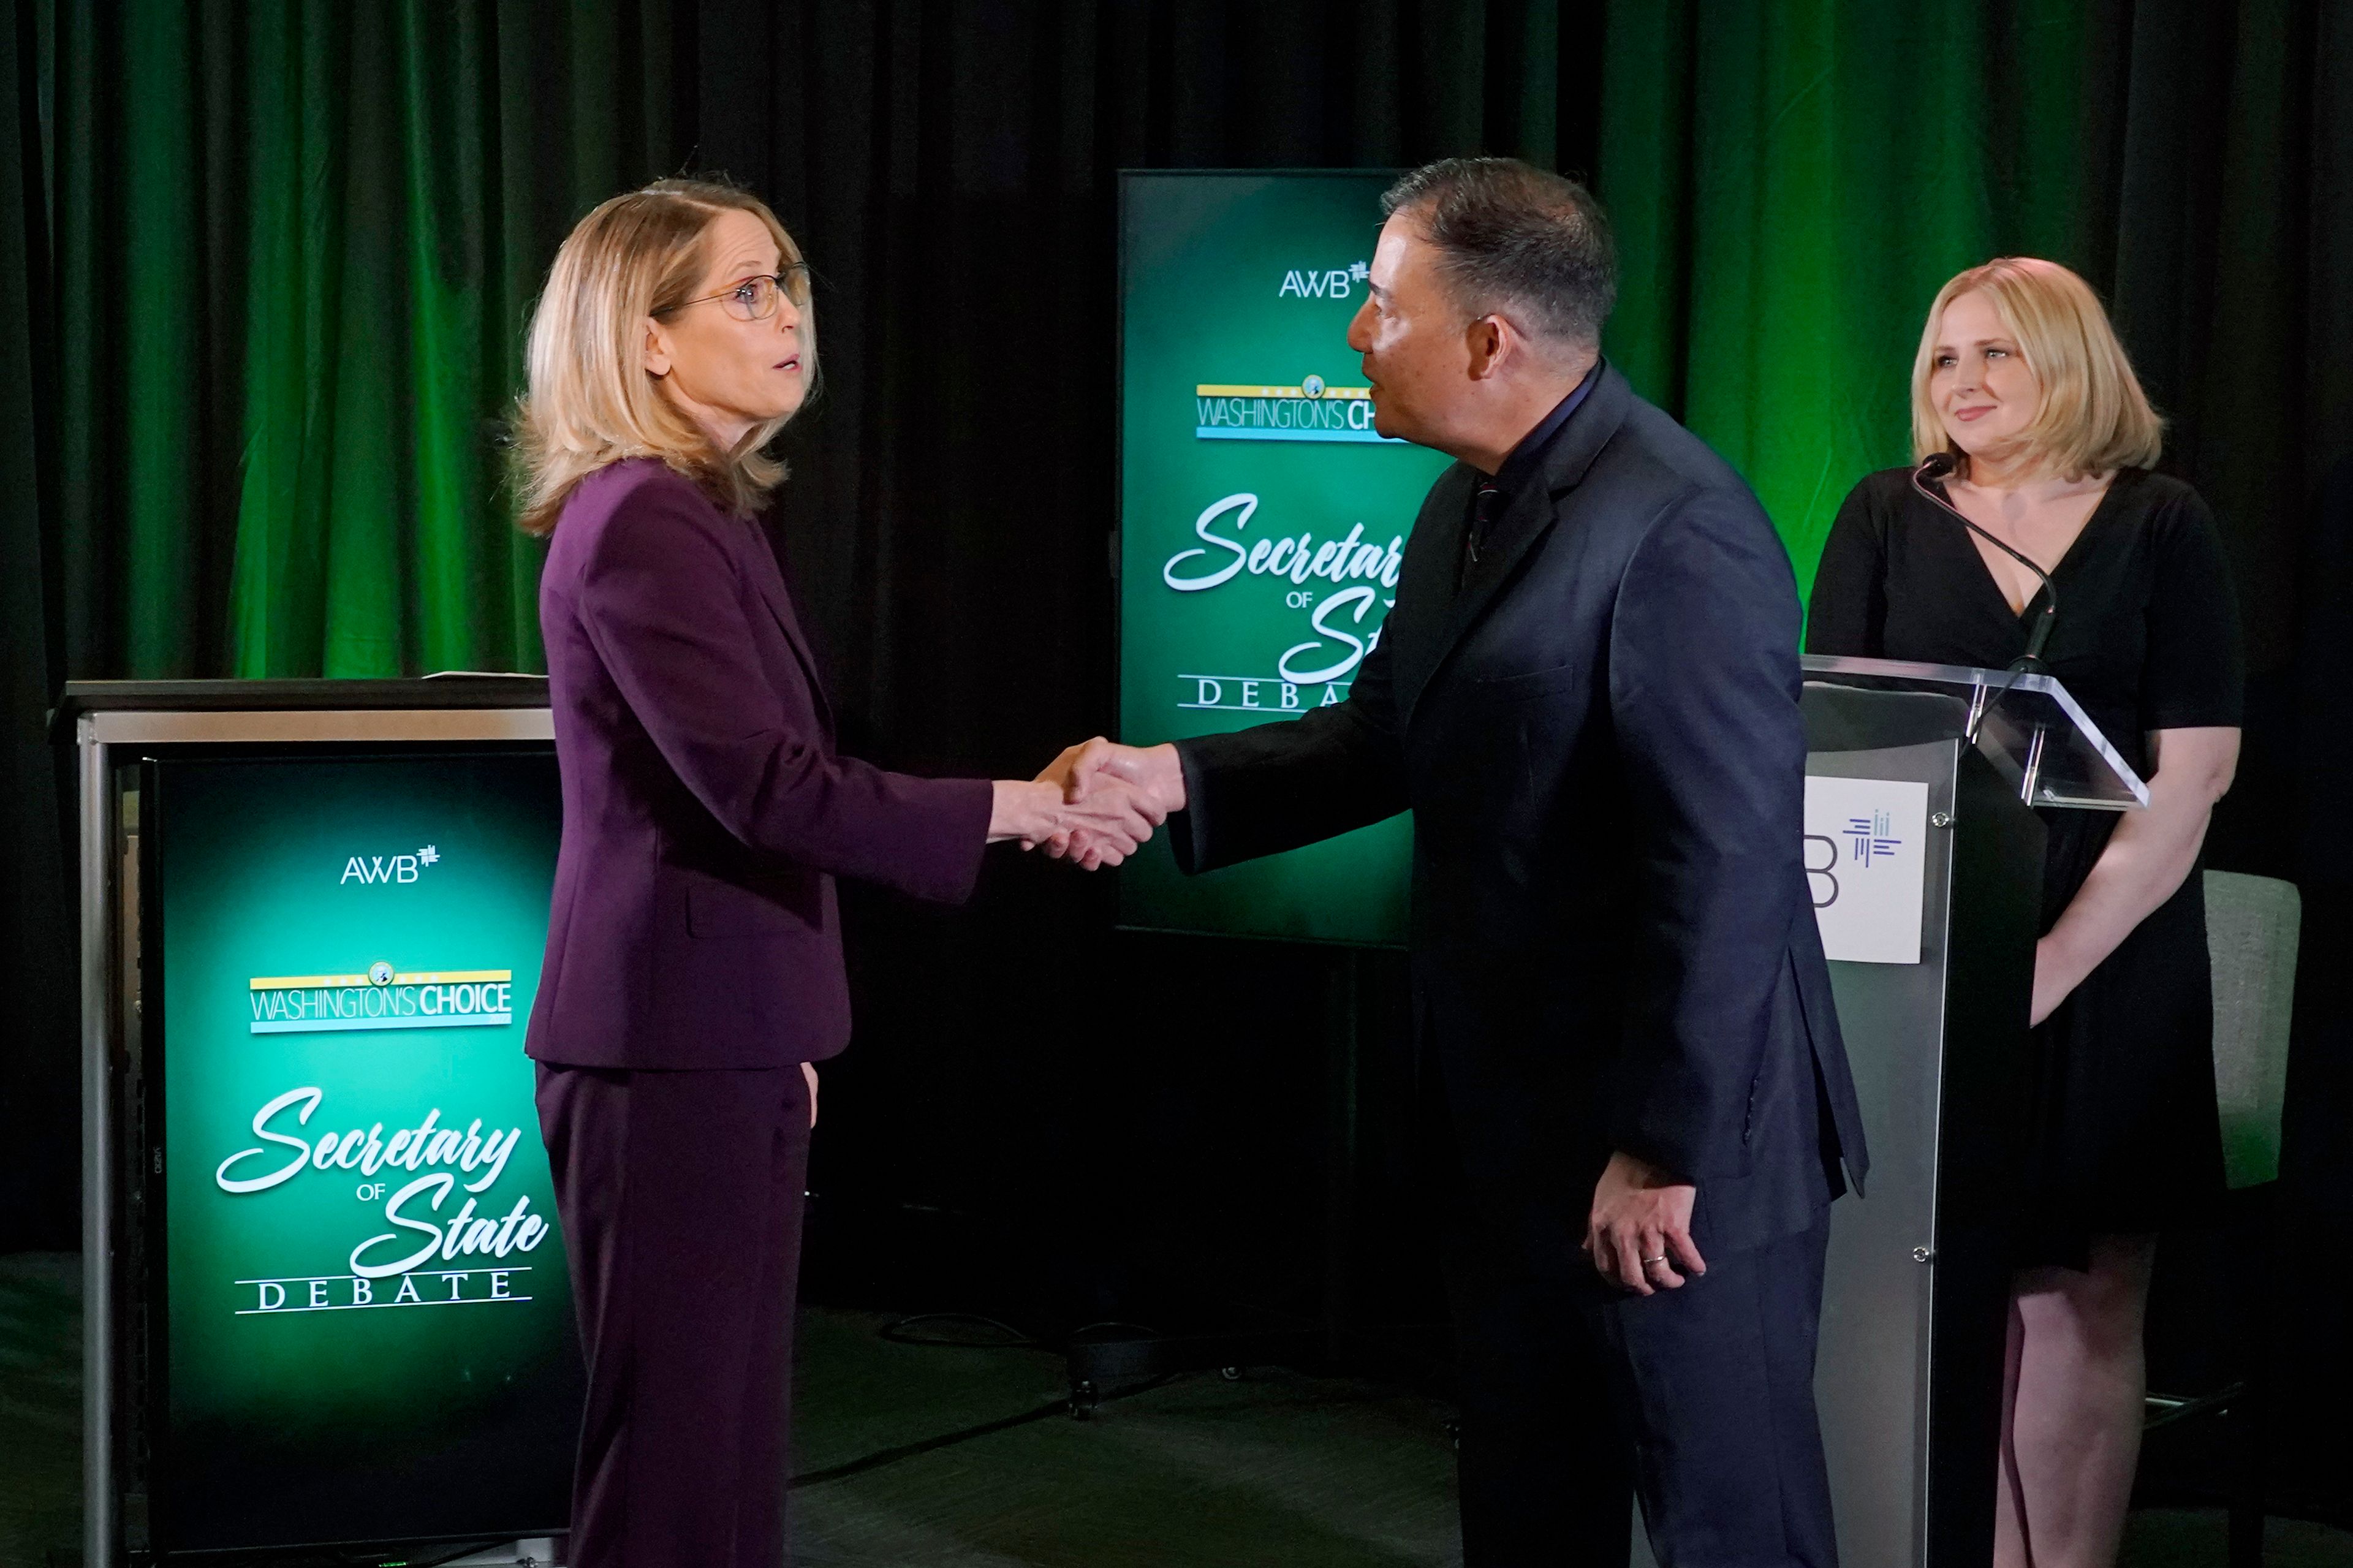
[[680, 1192]]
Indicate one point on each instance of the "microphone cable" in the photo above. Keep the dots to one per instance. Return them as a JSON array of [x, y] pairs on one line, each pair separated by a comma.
[[1937, 466]]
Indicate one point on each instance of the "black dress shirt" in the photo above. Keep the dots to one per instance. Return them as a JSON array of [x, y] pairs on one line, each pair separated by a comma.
[[1494, 492]]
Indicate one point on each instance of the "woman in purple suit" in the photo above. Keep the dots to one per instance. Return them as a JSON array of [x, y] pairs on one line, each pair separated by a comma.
[[693, 970]]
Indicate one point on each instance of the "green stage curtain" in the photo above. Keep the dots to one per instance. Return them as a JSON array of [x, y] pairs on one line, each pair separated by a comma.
[[296, 247], [1794, 179], [264, 271]]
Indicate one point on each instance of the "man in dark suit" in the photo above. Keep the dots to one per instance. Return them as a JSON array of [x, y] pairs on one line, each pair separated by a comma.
[[1586, 693]]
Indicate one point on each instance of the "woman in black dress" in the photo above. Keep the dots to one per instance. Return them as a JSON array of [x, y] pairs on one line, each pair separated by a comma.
[[2020, 379]]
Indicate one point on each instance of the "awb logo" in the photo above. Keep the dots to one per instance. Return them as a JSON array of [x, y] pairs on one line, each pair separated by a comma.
[[388, 867], [1339, 283]]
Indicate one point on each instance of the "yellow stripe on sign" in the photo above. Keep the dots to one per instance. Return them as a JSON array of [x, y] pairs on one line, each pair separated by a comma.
[[337, 981], [1208, 391]]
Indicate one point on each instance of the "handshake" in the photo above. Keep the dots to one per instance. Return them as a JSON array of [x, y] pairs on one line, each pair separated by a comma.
[[1093, 805]]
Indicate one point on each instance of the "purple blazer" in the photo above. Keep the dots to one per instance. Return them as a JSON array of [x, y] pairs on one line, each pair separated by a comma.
[[705, 812]]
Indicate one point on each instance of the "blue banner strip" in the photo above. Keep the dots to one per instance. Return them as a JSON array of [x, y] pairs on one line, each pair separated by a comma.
[[1237, 433], [438, 1021]]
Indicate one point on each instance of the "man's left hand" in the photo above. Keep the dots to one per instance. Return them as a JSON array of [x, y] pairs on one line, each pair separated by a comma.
[[1640, 1231]]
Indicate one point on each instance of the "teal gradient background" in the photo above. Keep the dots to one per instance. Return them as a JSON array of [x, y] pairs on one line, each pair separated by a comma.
[[384, 1422], [1203, 259]]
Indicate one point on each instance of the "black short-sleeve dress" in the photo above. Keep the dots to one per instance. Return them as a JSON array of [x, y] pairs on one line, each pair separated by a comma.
[[2126, 1138]]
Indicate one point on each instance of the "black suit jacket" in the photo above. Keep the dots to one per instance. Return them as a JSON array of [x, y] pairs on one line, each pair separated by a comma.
[[1613, 946]]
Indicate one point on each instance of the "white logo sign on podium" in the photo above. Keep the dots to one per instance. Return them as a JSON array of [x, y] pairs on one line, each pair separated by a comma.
[[1866, 865]]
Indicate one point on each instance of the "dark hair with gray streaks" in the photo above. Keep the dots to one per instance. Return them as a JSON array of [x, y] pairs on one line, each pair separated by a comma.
[[1518, 241]]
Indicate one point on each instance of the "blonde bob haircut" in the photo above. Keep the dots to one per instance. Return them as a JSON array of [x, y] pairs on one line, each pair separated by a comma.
[[590, 400], [2095, 416]]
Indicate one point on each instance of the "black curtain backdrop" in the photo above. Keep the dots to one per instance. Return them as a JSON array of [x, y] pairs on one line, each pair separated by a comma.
[[1042, 1115], [39, 1139], [2222, 138], [1083, 1117]]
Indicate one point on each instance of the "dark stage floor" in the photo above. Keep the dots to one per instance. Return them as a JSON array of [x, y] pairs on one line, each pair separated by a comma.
[[1279, 1471]]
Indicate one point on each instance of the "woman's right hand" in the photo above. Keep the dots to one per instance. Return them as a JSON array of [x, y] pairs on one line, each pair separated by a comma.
[[1115, 818]]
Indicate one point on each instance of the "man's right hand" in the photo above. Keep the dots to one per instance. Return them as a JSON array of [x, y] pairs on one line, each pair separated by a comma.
[[1153, 772]]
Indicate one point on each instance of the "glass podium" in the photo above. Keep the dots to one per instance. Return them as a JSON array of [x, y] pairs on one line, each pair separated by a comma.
[[1925, 853], [2028, 726]]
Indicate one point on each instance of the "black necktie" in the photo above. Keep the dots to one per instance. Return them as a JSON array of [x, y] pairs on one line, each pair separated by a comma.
[[1484, 504]]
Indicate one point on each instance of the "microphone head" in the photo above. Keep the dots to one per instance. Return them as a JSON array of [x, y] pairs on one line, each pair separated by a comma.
[[1936, 466]]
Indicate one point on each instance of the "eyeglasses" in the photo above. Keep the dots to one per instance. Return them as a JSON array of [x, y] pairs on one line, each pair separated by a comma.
[[754, 298]]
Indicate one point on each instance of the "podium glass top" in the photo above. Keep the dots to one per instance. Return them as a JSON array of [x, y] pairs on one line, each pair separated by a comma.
[[2035, 733]]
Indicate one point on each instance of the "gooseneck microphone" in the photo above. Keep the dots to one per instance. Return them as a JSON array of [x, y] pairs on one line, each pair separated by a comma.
[[1937, 468]]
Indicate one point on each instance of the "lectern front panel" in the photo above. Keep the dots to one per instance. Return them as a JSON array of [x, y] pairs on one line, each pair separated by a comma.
[[1872, 1375], [1909, 1371]]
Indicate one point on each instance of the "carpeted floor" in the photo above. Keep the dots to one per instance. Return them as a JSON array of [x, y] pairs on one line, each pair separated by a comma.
[[41, 1407], [1277, 1470], [1274, 1468]]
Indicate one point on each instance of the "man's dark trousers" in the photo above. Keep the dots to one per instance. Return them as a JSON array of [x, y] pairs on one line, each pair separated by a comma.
[[1577, 1395]]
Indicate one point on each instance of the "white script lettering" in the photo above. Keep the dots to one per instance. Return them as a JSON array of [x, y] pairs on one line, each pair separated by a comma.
[[1340, 560]]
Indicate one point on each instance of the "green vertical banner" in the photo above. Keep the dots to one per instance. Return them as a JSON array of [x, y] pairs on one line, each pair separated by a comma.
[[366, 1323], [1262, 517]]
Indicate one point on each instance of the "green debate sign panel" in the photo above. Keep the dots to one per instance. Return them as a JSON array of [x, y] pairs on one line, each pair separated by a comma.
[[367, 1323], [1262, 517]]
